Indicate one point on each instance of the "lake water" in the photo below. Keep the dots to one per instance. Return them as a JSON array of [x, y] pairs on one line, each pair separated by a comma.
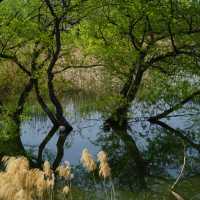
[[143, 153]]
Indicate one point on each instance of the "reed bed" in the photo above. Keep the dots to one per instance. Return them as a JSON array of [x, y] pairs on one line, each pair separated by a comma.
[[21, 182]]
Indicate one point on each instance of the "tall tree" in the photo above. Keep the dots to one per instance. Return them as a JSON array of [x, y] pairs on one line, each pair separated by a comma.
[[142, 39], [32, 37]]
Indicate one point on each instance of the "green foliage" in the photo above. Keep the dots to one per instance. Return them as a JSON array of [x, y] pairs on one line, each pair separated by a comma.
[[106, 34], [113, 33]]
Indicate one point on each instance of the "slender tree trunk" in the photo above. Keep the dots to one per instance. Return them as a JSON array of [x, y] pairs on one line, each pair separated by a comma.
[[43, 105], [60, 150], [44, 143], [19, 110], [20, 105], [59, 110], [21, 102], [57, 119], [14, 145]]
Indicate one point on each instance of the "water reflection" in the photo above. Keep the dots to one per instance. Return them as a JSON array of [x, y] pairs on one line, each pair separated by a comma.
[[138, 154], [127, 162]]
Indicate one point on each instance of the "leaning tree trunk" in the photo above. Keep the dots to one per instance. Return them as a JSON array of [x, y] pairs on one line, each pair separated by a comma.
[[50, 75], [58, 119], [118, 119], [16, 115]]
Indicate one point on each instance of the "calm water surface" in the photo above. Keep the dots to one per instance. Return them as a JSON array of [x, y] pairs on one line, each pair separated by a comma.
[[143, 152]]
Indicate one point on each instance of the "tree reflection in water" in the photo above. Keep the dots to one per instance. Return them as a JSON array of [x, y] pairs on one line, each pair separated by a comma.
[[138, 160]]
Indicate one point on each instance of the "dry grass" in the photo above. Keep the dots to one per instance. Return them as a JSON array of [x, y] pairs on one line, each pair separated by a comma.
[[88, 161], [19, 182]]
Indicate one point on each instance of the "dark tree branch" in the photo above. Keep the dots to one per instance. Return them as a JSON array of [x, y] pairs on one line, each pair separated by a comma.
[[60, 119], [50, 8], [35, 55], [178, 52], [171, 37], [147, 27], [131, 27], [133, 39], [183, 32], [16, 61], [20, 44], [77, 67], [175, 107], [128, 93]]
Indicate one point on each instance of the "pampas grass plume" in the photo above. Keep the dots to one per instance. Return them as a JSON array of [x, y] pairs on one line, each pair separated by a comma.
[[87, 161], [102, 156], [66, 190], [64, 171], [104, 170], [47, 169]]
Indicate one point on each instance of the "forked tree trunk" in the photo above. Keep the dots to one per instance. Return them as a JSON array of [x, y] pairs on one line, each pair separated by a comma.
[[59, 110]]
